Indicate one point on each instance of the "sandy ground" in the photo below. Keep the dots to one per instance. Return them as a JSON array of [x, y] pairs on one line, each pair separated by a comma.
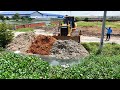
[[40, 31], [83, 38], [95, 39]]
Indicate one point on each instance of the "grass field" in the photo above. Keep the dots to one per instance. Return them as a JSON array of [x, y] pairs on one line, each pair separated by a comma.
[[99, 24], [24, 30]]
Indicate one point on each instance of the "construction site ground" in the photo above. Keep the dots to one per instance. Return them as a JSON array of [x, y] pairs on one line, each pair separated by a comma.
[[88, 34]]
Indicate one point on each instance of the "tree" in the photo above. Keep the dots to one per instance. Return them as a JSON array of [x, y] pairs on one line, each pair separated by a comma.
[[77, 19], [2, 17], [23, 18], [16, 17], [29, 19], [7, 18], [86, 19]]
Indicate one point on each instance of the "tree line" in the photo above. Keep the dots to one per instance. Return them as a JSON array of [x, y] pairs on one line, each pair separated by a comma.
[[15, 17]]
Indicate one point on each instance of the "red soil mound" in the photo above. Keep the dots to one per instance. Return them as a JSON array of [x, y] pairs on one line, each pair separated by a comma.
[[41, 45]]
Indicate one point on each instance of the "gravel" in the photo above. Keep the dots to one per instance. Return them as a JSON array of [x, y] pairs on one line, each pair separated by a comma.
[[21, 42], [68, 49]]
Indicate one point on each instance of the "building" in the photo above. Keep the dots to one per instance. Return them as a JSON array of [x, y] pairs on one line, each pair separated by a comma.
[[31, 14]]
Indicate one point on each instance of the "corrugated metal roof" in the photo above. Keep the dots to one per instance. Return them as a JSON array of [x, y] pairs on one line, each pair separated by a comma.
[[48, 14]]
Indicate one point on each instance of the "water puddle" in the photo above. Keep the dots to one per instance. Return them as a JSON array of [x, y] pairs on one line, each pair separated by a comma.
[[53, 61]]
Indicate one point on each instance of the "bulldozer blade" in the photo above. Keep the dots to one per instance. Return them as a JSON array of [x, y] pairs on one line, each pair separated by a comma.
[[75, 38]]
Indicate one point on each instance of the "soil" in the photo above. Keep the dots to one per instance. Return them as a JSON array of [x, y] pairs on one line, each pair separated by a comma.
[[96, 31], [41, 45]]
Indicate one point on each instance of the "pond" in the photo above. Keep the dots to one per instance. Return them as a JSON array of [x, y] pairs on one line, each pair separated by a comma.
[[53, 61]]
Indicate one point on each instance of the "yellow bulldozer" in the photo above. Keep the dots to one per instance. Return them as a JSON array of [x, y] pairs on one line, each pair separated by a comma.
[[67, 30]]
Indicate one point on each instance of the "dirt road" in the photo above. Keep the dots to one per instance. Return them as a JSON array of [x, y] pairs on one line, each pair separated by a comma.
[[95, 39]]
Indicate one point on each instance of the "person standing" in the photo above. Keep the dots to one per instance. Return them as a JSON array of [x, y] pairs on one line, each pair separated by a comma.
[[109, 31]]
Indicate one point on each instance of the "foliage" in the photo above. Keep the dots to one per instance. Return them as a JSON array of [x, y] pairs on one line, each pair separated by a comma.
[[27, 19], [1, 49], [77, 19], [7, 18], [2, 17], [104, 66], [10, 26], [5, 35], [16, 17], [24, 30], [14, 66], [23, 18], [86, 19]]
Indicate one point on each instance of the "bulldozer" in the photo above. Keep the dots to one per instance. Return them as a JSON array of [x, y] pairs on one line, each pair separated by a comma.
[[67, 30]]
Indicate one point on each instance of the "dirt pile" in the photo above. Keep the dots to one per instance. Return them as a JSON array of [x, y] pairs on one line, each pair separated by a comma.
[[21, 42], [47, 45], [41, 45], [68, 49]]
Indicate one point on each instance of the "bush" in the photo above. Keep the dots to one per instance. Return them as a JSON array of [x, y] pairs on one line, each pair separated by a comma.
[[10, 27], [5, 35], [1, 49], [14, 66]]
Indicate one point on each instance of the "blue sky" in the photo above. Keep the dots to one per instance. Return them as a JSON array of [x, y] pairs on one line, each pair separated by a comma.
[[83, 13]]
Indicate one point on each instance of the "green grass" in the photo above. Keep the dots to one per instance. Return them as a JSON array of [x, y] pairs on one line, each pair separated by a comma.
[[99, 24], [109, 49], [104, 66], [24, 30]]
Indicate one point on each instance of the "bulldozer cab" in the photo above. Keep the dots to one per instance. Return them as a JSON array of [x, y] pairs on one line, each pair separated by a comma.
[[70, 20], [68, 25]]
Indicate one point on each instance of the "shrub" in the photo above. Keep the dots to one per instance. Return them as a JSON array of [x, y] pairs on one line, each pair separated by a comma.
[[23, 67], [10, 27], [15, 66], [1, 49], [5, 35]]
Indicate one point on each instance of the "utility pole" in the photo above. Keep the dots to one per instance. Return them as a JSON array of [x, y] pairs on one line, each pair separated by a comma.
[[103, 28]]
